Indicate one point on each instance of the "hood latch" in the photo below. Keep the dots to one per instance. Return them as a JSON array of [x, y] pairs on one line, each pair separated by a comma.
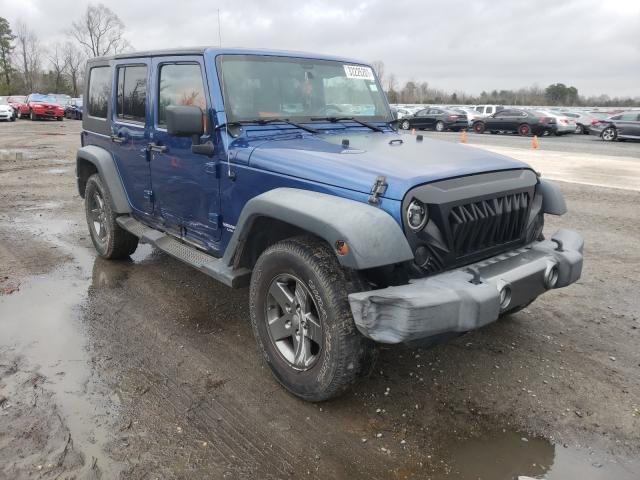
[[378, 190]]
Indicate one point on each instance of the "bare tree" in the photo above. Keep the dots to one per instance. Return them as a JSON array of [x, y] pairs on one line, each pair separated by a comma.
[[378, 66], [74, 59], [29, 52], [59, 65], [99, 31]]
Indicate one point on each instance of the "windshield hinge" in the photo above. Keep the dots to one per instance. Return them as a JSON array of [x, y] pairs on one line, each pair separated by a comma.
[[377, 190]]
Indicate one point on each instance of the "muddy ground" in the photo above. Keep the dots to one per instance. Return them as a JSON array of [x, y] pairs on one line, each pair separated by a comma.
[[148, 369]]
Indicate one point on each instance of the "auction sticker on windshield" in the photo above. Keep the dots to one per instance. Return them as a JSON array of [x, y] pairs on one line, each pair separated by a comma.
[[357, 71]]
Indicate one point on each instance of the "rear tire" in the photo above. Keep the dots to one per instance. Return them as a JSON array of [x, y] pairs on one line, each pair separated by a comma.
[[302, 321], [609, 134], [524, 130], [110, 240]]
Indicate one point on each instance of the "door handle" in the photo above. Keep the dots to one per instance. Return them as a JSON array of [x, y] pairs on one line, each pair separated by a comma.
[[118, 139], [154, 147]]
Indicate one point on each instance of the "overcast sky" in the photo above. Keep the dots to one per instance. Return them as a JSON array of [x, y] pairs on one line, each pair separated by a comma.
[[470, 45]]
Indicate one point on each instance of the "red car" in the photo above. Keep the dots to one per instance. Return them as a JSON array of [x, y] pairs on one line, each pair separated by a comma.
[[15, 101], [38, 106]]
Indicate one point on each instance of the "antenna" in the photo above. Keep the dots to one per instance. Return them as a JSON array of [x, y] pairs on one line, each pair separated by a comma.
[[230, 174]]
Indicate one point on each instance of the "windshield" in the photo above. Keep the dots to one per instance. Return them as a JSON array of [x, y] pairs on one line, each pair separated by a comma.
[[43, 98], [262, 87]]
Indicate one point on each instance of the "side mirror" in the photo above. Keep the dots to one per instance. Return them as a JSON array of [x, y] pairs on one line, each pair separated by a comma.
[[184, 120], [189, 121]]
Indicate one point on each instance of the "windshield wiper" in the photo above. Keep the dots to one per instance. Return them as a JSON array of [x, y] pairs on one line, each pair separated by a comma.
[[351, 119], [267, 121]]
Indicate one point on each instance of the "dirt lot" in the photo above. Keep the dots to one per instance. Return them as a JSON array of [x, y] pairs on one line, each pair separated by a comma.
[[148, 369]]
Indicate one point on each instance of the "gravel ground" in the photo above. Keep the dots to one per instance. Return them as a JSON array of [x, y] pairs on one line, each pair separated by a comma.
[[147, 369]]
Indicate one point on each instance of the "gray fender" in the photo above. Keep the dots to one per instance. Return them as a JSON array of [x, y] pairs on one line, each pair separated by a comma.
[[552, 198], [108, 171], [373, 236]]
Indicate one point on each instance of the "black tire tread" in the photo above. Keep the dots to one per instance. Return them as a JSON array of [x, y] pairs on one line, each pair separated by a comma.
[[121, 243], [356, 354]]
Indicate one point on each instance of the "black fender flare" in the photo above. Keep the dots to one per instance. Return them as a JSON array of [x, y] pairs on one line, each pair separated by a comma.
[[373, 236], [106, 167], [552, 199]]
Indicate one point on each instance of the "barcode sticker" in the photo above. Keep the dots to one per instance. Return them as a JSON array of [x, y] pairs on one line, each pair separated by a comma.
[[358, 71]]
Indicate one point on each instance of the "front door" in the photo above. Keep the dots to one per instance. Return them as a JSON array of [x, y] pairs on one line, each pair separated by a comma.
[[130, 132], [185, 185]]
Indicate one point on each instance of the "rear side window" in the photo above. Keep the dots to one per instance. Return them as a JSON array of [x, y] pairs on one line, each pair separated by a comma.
[[629, 117], [131, 99], [180, 84], [99, 91]]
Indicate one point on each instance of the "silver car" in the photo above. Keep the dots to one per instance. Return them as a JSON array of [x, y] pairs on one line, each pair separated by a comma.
[[565, 124]]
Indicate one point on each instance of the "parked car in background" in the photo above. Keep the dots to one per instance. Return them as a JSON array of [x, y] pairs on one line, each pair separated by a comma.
[[564, 124], [38, 106], [62, 98], [625, 126], [583, 120], [523, 122], [6, 111], [488, 109], [15, 101], [403, 112], [440, 119], [73, 109], [472, 114]]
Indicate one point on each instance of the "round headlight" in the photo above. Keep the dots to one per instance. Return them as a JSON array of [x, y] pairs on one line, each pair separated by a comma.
[[417, 215]]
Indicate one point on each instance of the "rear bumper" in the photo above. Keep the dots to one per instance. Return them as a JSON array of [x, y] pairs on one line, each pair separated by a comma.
[[455, 301]]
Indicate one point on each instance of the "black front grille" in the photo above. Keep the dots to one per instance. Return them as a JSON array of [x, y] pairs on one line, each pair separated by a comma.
[[488, 223]]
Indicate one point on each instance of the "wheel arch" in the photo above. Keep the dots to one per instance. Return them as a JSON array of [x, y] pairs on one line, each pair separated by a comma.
[[92, 159], [288, 212]]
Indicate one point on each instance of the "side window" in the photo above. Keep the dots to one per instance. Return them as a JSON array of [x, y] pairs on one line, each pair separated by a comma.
[[617, 117], [99, 91], [131, 97], [629, 117], [180, 84]]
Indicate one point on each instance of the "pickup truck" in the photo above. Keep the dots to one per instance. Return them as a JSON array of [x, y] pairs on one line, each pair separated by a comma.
[[285, 172]]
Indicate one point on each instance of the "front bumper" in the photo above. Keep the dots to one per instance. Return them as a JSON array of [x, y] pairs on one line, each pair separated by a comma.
[[470, 297]]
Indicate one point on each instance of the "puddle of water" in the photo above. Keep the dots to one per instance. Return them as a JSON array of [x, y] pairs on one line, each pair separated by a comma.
[[509, 455], [42, 324]]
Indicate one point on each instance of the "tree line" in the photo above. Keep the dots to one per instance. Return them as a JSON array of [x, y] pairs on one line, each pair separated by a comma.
[[28, 65], [556, 94]]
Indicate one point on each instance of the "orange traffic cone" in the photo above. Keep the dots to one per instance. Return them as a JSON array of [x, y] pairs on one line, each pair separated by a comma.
[[413, 131], [534, 142], [463, 136]]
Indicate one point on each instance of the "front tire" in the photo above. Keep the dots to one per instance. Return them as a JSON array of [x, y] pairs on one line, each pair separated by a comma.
[[33, 116], [440, 127], [302, 321], [405, 125], [479, 127], [110, 240]]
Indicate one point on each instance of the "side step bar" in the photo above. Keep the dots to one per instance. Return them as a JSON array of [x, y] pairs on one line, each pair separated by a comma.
[[207, 264]]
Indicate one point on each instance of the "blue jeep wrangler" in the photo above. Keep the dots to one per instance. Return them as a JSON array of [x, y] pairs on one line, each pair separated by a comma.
[[285, 172]]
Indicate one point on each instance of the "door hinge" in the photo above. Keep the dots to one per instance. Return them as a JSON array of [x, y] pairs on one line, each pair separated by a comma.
[[378, 189], [214, 219], [212, 168]]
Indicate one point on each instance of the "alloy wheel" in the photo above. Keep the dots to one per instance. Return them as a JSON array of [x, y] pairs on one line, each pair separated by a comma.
[[293, 321], [98, 217], [608, 134]]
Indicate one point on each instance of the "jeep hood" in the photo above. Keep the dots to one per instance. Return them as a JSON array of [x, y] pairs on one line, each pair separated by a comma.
[[402, 159]]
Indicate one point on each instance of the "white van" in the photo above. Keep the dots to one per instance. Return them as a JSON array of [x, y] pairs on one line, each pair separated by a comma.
[[488, 109]]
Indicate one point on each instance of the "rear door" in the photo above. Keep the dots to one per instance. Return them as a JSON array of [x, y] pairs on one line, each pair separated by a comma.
[[185, 185], [130, 131]]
